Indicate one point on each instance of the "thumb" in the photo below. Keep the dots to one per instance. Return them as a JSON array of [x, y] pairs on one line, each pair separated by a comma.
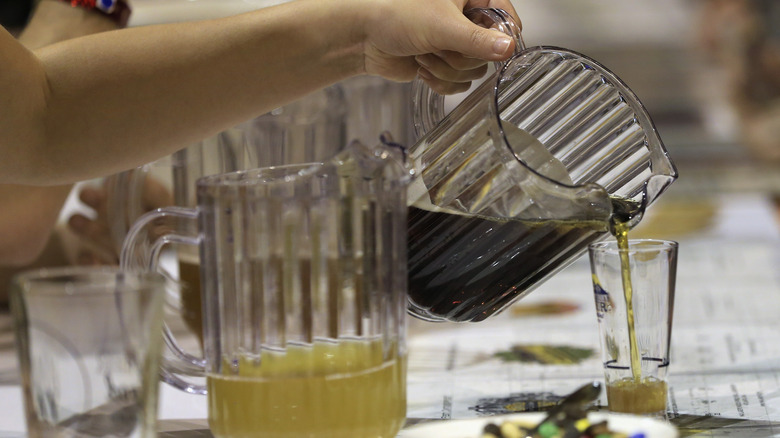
[[478, 42]]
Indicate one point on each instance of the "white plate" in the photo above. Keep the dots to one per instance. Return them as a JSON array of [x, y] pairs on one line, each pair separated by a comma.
[[472, 428]]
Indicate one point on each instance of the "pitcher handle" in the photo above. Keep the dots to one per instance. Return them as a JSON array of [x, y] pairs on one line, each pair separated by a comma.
[[141, 252], [428, 105]]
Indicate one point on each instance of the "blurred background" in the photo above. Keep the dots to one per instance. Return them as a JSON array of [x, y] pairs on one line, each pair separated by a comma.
[[707, 70]]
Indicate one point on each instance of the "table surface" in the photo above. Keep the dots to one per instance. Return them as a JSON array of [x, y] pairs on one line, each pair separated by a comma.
[[725, 358]]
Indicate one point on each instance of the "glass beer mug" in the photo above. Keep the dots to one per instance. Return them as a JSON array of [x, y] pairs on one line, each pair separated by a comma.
[[376, 105], [303, 272], [512, 185], [310, 129], [171, 181]]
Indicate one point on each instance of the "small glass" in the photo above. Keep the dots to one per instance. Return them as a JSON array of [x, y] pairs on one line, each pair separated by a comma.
[[635, 362], [89, 342]]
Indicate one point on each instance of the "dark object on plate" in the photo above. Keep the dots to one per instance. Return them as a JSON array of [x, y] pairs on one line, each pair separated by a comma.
[[568, 419]]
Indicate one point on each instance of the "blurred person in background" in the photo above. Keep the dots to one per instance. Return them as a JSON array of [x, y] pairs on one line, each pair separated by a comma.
[[743, 37], [115, 101]]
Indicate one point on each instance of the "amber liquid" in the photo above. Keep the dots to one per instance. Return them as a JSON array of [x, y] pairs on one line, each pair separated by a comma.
[[344, 390], [448, 280], [445, 283], [635, 395], [191, 303], [643, 396]]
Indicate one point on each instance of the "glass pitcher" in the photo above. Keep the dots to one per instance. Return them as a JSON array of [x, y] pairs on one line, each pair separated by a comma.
[[303, 272], [513, 184]]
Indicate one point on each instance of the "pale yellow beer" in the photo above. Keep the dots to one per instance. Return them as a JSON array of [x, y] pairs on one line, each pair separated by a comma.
[[344, 390]]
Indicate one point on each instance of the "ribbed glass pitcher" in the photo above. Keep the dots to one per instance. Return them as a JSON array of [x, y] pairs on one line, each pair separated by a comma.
[[303, 275], [514, 183]]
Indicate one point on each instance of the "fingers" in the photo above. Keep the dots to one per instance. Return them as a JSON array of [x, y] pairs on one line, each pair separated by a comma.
[[93, 197], [440, 86], [452, 67], [405, 34], [474, 41], [395, 68], [449, 72], [155, 194], [90, 258], [96, 240], [469, 45]]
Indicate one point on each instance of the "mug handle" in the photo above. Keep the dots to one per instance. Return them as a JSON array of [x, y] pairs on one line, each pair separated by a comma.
[[141, 252], [428, 106]]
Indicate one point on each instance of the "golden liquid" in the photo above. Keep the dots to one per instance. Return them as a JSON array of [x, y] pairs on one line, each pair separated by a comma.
[[343, 390], [644, 396], [191, 305], [635, 394], [621, 233]]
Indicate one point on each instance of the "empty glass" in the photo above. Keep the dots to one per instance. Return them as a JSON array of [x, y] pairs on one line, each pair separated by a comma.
[[89, 344], [514, 183]]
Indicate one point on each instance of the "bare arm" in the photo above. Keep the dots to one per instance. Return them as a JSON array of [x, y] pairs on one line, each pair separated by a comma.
[[28, 212], [101, 104]]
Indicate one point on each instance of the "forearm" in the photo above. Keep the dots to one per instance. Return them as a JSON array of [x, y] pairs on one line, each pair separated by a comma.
[[128, 86], [31, 212], [102, 104]]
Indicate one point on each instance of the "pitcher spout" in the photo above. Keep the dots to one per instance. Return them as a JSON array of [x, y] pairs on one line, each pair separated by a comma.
[[657, 184], [663, 174]]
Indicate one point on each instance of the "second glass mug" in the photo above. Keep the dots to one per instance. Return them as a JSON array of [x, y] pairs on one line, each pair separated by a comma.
[[514, 183], [308, 130], [303, 273]]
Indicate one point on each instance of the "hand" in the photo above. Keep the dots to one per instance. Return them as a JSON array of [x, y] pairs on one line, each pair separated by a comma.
[[435, 40], [95, 243], [92, 244]]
